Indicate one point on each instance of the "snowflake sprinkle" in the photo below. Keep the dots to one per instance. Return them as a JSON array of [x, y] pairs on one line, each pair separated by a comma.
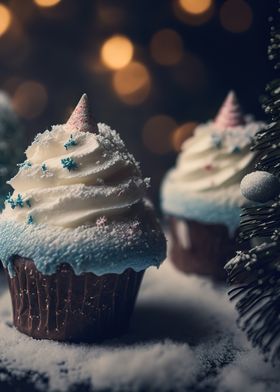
[[19, 201], [70, 143], [208, 167], [235, 150], [44, 168], [28, 203], [9, 196], [101, 221], [30, 220], [69, 163], [217, 140], [10, 200], [24, 165]]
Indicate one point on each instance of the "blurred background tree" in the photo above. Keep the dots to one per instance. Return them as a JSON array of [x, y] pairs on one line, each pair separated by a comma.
[[151, 68]]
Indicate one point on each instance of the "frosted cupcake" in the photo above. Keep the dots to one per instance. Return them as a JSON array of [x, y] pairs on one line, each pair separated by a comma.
[[77, 234], [201, 196]]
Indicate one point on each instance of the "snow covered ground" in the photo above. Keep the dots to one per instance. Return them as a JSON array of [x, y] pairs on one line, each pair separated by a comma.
[[182, 338]]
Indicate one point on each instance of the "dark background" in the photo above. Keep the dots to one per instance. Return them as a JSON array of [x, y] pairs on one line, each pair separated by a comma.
[[49, 56]]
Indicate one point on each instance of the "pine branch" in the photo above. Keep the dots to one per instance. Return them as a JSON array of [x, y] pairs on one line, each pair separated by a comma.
[[255, 277], [260, 221], [267, 141]]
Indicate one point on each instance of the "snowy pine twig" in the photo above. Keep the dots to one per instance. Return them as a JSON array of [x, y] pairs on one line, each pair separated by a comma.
[[254, 275]]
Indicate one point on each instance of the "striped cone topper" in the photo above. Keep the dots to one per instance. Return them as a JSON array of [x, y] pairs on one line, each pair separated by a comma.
[[82, 118], [230, 115]]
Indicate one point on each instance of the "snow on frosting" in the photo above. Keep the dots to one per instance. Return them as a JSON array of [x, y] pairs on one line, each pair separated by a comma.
[[211, 165], [72, 183], [71, 179], [106, 247]]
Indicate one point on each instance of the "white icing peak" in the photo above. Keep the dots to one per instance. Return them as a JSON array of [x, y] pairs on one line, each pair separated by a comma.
[[73, 177], [218, 155], [230, 114], [82, 118]]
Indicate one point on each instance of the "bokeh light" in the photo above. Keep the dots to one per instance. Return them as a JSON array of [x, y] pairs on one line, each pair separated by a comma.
[[117, 52], [182, 133], [193, 12], [195, 6], [157, 133], [236, 16], [166, 47], [5, 19], [47, 3], [132, 83], [30, 99]]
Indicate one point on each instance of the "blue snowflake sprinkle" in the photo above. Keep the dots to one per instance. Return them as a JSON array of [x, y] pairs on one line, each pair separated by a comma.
[[12, 204], [235, 150], [216, 140], [69, 163], [24, 165], [30, 220], [19, 201], [10, 200], [44, 168], [9, 196], [70, 143]]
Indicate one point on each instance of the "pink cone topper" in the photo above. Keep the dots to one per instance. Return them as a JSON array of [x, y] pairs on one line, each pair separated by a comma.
[[230, 115], [82, 119]]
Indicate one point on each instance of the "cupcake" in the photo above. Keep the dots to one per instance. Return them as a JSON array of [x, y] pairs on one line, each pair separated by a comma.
[[201, 197], [77, 233]]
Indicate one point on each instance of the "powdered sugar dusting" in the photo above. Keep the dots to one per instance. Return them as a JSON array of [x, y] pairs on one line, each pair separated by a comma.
[[107, 247]]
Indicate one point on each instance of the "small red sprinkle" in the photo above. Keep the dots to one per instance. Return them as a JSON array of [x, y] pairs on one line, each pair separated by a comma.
[[208, 167]]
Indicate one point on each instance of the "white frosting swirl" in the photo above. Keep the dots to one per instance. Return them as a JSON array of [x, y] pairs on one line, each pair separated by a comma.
[[214, 159], [205, 184], [100, 179]]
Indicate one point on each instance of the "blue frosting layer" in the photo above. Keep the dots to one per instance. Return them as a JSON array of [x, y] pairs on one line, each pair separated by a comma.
[[202, 210], [106, 248]]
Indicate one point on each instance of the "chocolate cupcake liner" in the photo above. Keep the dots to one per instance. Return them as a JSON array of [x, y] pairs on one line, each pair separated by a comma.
[[199, 248], [67, 307]]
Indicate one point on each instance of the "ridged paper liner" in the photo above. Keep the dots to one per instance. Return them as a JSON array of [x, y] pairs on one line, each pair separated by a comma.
[[67, 307], [199, 248]]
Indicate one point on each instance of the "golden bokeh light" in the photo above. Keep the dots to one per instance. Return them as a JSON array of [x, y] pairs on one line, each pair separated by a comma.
[[195, 6], [236, 16], [132, 83], [46, 3], [167, 47], [182, 133], [30, 99], [157, 134], [193, 12], [117, 52], [5, 19]]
